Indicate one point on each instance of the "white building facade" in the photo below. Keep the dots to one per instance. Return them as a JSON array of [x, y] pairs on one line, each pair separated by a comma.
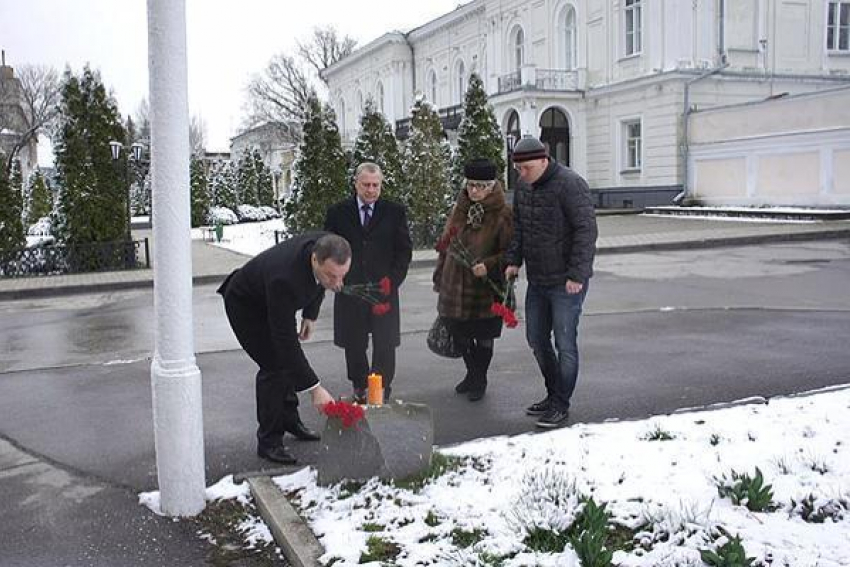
[[608, 85]]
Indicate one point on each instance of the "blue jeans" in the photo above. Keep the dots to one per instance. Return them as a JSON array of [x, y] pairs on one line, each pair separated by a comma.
[[550, 310]]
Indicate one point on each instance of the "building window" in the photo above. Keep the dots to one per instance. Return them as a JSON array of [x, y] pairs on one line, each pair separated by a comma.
[[342, 116], [379, 94], [360, 102], [632, 146], [567, 36], [838, 26], [633, 26], [432, 86], [519, 48], [461, 81]]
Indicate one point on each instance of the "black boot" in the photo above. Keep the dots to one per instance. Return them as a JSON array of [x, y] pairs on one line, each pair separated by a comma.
[[464, 385], [481, 363]]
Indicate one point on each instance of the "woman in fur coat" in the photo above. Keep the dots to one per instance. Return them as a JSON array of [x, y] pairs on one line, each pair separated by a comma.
[[474, 240]]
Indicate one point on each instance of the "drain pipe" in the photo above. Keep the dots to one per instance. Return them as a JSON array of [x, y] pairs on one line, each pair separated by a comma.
[[686, 116]]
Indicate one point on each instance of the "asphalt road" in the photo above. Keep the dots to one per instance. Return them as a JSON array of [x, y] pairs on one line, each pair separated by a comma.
[[661, 332]]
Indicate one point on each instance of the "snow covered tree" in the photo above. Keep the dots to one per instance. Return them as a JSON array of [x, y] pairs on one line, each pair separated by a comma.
[[320, 170], [376, 143], [223, 185], [426, 169], [199, 192], [263, 177], [479, 135], [140, 195], [38, 200], [246, 180], [11, 229], [92, 202]]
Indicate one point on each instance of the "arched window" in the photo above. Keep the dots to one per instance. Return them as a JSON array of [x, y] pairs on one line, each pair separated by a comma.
[[512, 136], [555, 134], [567, 37], [519, 48], [360, 101], [461, 81], [432, 87], [342, 116], [379, 95]]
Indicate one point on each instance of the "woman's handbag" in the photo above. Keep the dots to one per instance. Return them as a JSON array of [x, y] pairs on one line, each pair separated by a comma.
[[441, 341]]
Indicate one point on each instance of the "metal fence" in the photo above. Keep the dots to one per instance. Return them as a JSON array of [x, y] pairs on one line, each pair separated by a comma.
[[75, 258]]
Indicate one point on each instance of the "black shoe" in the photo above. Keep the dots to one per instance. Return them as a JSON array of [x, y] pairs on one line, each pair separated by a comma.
[[387, 393], [553, 418], [277, 454], [463, 386], [301, 432], [539, 408], [359, 396], [475, 395]]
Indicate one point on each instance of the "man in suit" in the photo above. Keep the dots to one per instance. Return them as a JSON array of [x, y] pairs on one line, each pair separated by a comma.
[[380, 246], [261, 300]]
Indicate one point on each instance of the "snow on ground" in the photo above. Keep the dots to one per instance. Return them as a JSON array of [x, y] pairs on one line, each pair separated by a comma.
[[249, 238], [711, 217], [664, 489]]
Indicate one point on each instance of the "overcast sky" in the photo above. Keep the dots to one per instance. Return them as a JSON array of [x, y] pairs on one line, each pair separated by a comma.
[[228, 42]]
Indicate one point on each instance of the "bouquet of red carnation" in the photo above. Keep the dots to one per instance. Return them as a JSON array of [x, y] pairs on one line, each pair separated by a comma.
[[349, 413], [373, 294], [451, 244]]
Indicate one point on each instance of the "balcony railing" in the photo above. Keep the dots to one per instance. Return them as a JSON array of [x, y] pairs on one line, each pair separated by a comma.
[[556, 80], [530, 77], [450, 118], [510, 82]]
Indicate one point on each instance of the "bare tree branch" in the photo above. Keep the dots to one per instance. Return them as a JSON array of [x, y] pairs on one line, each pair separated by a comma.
[[280, 93], [37, 91], [197, 135], [325, 48]]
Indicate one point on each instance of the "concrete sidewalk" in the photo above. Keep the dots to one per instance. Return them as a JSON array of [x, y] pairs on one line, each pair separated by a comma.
[[618, 234]]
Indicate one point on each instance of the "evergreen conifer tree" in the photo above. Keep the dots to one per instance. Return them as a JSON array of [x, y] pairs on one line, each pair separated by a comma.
[[246, 180], [320, 170], [39, 201], [427, 158], [377, 143], [479, 135], [263, 177], [11, 229], [199, 191], [92, 205], [223, 185]]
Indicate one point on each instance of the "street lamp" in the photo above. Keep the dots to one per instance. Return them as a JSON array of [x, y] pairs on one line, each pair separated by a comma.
[[136, 151]]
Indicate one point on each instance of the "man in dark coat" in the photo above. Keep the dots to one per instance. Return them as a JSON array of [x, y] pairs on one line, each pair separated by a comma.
[[555, 236], [380, 247], [261, 300]]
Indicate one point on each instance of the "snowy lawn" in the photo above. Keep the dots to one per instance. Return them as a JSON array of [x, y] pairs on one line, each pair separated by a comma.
[[524, 500], [248, 238]]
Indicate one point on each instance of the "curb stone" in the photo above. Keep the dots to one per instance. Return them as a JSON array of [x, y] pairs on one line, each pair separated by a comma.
[[296, 540]]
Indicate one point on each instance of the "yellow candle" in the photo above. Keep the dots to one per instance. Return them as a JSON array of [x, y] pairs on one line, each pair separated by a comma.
[[375, 395]]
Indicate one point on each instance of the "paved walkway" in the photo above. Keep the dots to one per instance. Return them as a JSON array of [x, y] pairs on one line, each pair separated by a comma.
[[617, 234]]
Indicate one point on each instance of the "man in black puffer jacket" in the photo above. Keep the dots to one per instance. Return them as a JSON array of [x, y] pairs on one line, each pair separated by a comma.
[[555, 235]]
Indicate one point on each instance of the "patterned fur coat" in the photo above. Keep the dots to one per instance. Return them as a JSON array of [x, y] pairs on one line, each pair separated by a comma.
[[463, 295]]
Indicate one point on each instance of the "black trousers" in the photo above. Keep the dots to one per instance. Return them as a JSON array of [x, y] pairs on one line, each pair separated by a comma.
[[358, 367], [277, 403]]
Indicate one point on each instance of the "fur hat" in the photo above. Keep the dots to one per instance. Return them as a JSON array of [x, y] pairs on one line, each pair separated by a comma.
[[529, 148], [480, 169]]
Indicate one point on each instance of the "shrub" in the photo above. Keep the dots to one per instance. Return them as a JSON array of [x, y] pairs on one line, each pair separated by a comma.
[[222, 215], [745, 490], [730, 554]]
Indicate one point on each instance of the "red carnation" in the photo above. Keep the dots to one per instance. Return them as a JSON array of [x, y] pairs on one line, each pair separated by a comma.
[[507, 315], [386, 286], [381, 309], [348, 413]]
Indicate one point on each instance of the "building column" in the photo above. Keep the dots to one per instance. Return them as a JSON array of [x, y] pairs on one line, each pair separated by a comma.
[[175, 378]]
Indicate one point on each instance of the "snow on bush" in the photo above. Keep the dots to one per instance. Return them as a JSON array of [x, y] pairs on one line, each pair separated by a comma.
[[41, 228], [270, 212], [222, 215], [249, 213]]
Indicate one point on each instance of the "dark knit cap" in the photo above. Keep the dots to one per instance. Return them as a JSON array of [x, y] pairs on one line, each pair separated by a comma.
[[480, 169], [529, 148]]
